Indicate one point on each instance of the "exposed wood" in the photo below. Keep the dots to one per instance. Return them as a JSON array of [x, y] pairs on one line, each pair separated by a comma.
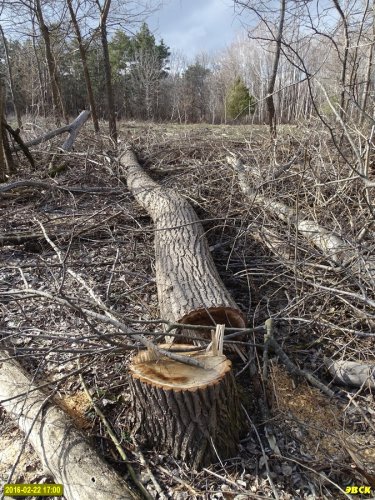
[[74, 128], [192, 413], [190, 289], [60, 446]]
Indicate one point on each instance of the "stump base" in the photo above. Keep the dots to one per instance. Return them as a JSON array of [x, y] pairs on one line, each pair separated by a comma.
[[187, 411]]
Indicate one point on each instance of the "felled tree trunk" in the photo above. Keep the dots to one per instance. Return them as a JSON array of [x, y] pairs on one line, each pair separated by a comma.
[[187, 411], [331, 245], [60, 446], [73, 129], [190, 291]]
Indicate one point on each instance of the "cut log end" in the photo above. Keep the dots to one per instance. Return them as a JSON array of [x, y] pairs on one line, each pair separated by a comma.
[[187, 411], [228, 316]]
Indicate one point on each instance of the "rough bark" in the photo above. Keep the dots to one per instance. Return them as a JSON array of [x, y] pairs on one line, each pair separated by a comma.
[[190, 289], [11, 81], [82, 51], [60, 446], [58, 107], [107, 70], [192, 413], [271, 84]]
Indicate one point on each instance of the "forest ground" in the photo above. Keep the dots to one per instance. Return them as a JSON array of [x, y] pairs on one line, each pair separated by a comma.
[[300, 443]]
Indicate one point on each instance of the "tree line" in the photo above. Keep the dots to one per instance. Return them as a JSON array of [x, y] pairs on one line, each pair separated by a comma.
[[297, 60]]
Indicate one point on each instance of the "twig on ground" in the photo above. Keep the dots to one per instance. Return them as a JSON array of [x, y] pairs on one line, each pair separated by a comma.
[[114, 439]]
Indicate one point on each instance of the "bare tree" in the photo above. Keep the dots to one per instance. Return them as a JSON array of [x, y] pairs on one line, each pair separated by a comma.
[[58, 106], [104, 11], [3, 167], [146, 76], [11, 80], [83, 54], [262, 11]]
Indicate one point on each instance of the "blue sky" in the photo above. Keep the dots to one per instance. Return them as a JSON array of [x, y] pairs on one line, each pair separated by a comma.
[[195, 26]]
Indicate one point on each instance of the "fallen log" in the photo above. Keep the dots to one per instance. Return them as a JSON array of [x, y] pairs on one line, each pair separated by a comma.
[[351, 373], [16, 136], [331, 245], [61, 447], [190, 290], [73, 129], [189, 412]]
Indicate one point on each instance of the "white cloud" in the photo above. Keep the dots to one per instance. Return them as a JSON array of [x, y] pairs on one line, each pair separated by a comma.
[[194, 26]]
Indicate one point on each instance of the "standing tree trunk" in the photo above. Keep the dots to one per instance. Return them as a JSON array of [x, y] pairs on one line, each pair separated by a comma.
[[107, 68], [58, 107], [82, 51], [42, 84], [6, 160], [344, 59], [271, 85], [3, 164], [11, 81]]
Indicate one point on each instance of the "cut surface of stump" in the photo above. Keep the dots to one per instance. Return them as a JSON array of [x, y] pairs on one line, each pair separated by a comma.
[[187, 411]]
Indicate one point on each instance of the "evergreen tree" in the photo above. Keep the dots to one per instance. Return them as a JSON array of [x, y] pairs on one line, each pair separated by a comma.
[[239, 100], [138, 65]]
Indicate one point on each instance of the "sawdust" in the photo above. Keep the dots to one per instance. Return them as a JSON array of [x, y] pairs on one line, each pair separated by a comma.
[[320, 425], [76, 405]]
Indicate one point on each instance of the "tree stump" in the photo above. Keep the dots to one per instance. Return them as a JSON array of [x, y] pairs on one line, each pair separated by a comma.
[[189, 412]]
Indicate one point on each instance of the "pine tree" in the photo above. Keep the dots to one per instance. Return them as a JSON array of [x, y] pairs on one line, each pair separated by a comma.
[[239, 100]]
